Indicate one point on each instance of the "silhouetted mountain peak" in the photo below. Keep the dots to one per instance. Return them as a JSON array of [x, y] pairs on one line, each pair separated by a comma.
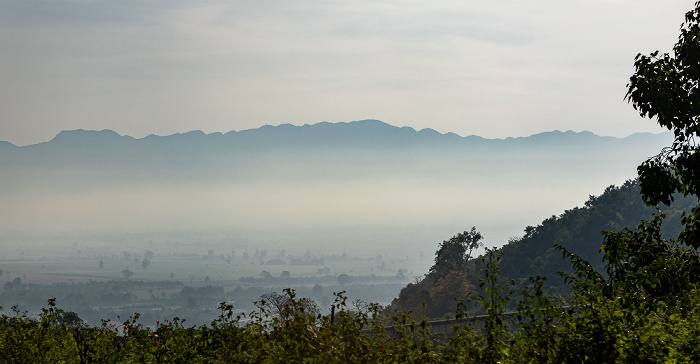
[[82, 133], [558, 134], [361, 133], [81, 136]]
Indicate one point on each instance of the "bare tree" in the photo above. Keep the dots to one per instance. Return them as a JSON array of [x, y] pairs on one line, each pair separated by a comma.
[[286, 306]]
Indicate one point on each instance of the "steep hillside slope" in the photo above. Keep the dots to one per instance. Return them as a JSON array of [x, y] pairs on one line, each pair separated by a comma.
[[579, 231]]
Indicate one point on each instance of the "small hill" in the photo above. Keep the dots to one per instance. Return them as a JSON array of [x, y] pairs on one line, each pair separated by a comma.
[[579, 230]]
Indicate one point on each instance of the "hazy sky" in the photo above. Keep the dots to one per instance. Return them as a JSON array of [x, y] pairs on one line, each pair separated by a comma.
[[491, 68]]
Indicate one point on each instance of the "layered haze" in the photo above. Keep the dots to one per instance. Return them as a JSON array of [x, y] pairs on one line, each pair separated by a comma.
[[359, 183]]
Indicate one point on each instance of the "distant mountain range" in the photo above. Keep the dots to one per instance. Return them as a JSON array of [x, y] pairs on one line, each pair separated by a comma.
[[366, 133], [323, 143], [363, 172]]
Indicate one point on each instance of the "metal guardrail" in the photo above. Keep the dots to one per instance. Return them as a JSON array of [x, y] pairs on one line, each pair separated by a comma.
[[445, 325]]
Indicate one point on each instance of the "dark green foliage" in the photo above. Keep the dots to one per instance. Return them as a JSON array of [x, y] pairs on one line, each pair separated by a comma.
[[448, 279], [579, 230], [491, 344], [412, 297], [624, 316], [493, 301], [665, 87], [658, 270], [455, 253], [640, 310], [538, 317]]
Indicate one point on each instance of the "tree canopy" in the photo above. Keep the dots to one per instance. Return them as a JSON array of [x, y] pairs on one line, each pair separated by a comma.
[[667, 87], [449, 278], [453, 254]]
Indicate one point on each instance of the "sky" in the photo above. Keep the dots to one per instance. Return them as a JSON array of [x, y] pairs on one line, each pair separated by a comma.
[[473, 67]]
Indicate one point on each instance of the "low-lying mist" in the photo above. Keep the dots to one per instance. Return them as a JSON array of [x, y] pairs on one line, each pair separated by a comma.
[[499, 205], [344, 177], [152, 224]]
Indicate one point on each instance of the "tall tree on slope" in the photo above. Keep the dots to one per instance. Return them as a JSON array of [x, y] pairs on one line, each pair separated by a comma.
[[667, 87]]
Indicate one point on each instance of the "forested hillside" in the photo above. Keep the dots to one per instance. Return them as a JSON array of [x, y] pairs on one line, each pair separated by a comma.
[[579, 230], [457, 272]]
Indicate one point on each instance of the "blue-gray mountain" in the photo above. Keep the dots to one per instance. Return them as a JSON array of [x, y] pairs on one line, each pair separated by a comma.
[[346, 150], [359, 174]]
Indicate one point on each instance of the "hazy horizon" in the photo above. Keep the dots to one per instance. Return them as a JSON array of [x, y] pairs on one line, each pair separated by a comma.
[[443, 187], [494, 69], [252, 128]]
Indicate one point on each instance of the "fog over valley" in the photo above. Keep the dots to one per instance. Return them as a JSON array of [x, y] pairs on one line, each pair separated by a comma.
[[346, 177], [127, 224]]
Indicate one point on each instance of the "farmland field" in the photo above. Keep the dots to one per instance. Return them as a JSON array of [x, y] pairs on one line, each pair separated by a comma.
[[151, 272]]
